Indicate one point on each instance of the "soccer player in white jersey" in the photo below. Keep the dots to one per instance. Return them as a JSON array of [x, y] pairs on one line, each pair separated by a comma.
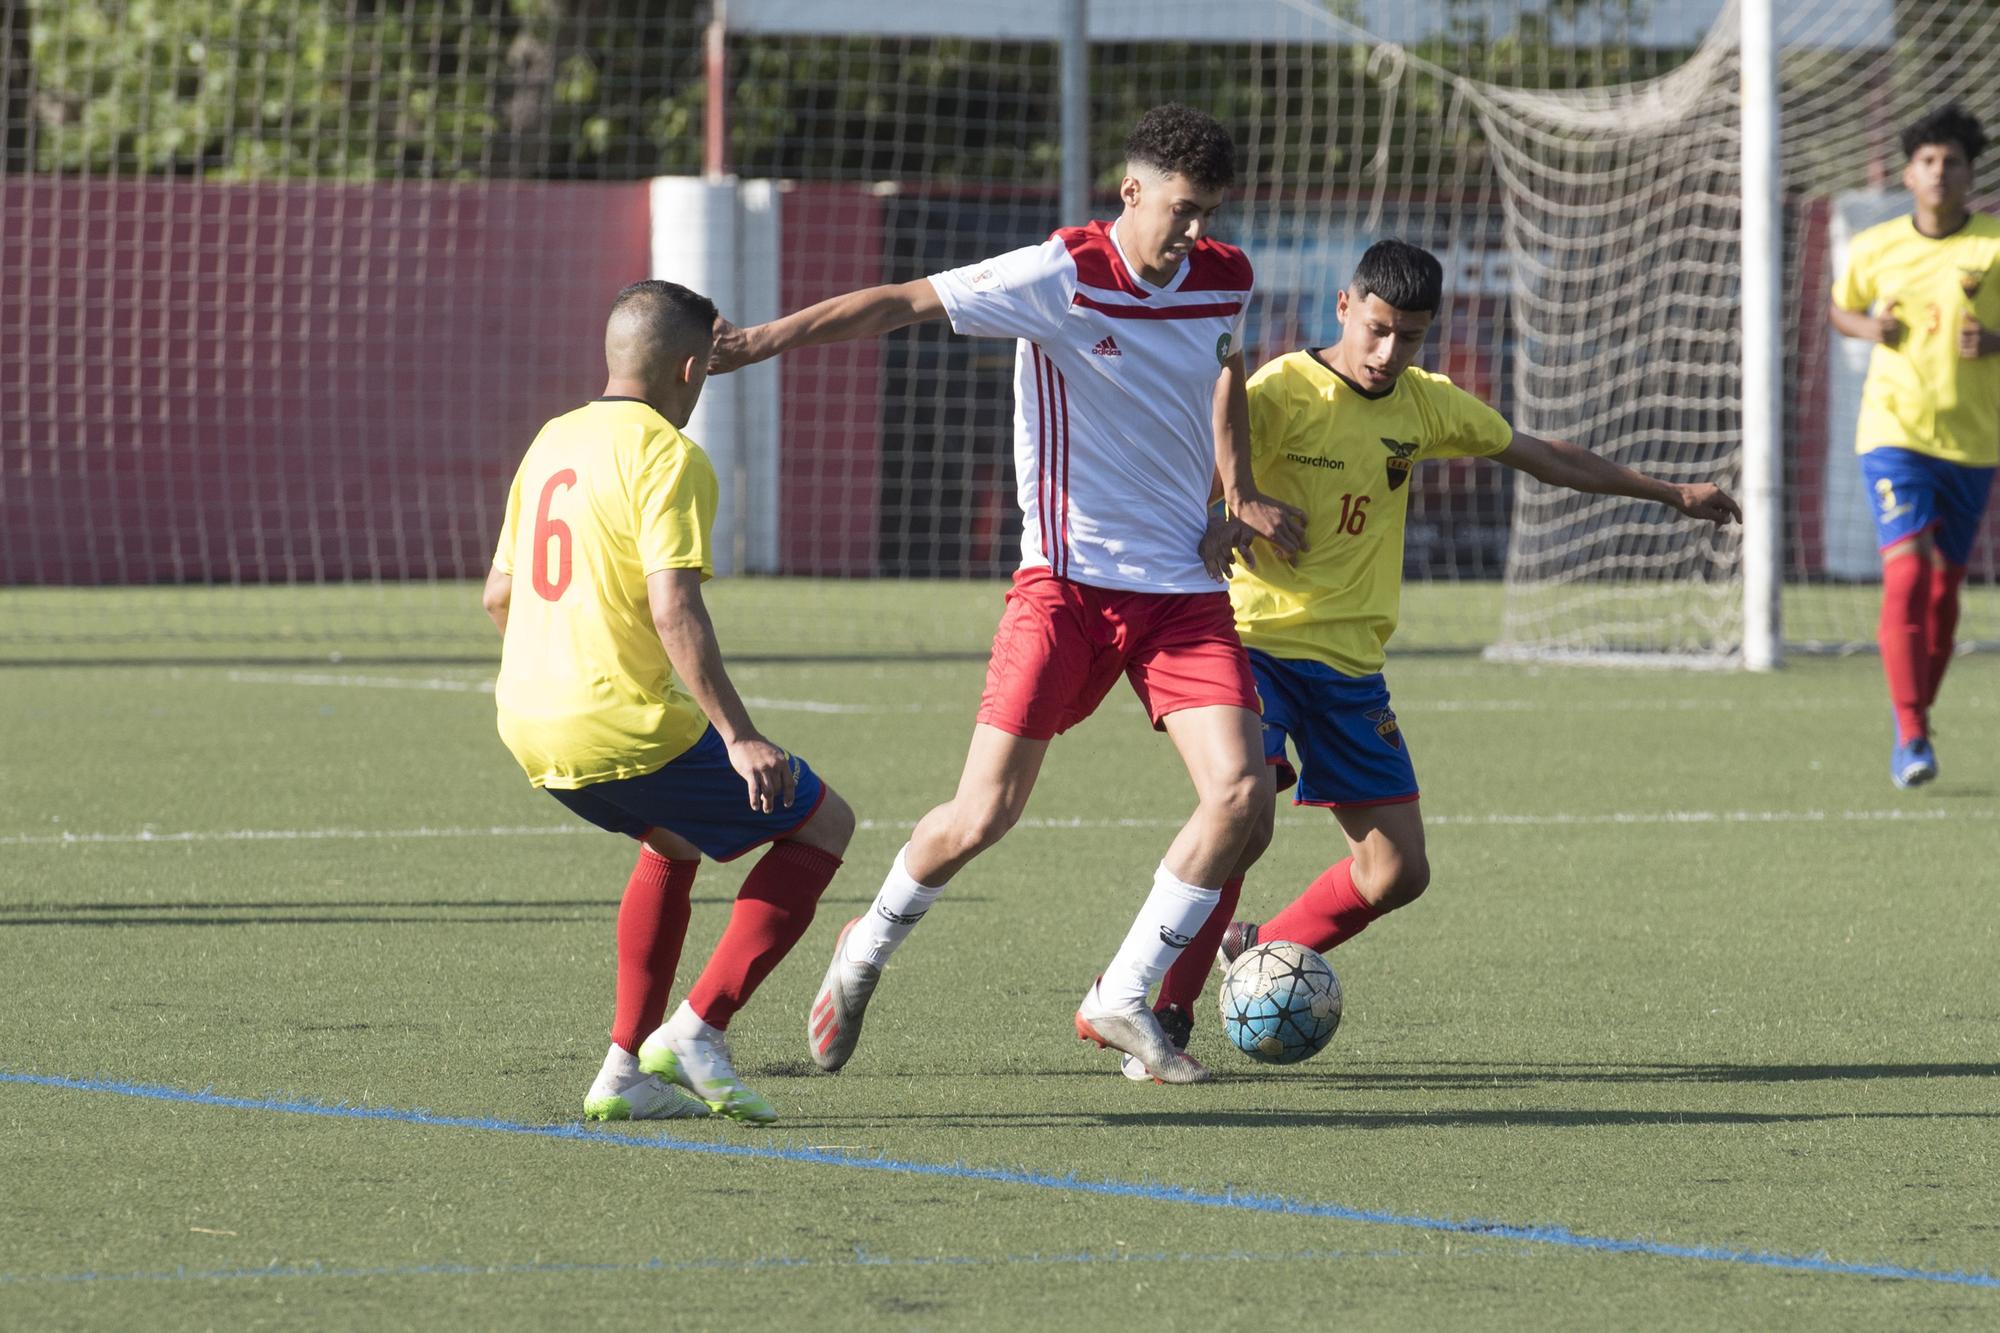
[[1122, 329], [1339, 430]]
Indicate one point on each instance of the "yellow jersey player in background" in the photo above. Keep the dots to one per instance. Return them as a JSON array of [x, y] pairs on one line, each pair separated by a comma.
[[613, 697], [1923, 289], [1337, 431]]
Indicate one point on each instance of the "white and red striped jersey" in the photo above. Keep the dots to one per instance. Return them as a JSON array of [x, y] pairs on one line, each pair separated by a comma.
[[1114, 379]]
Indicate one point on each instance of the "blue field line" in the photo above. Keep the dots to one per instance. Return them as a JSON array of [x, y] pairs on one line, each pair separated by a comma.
[[861, 1259], [1555, 1236]]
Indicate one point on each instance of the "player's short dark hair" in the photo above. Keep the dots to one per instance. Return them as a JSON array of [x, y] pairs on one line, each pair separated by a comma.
[[671, 316], [1406, 276], [1178, 140], [1950, 123]]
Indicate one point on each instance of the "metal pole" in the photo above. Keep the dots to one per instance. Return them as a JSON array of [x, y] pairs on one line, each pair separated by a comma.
[[715, 115], [1763, 343], [1075, 114]]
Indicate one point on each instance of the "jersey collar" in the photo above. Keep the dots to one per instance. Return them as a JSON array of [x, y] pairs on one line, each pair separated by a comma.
[[1173, 284], [1313, 352]]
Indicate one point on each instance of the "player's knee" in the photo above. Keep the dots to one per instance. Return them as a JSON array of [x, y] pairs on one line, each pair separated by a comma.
[[832, 825], [1407, 878], [1257, 840], [1238, 802], [976, 830]]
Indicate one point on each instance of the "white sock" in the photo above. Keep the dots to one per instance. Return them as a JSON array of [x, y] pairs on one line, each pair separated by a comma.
[[897, 908], [620, 1064], [1174, 911], [684, 1024]]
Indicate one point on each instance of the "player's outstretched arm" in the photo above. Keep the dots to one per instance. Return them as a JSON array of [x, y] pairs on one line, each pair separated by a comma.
[[863, 314], [1275, 521], [688, 635], [1560, 463], [497, 596]]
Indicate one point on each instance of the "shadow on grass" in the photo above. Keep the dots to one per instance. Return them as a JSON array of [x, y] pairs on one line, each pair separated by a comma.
[[346, 912]]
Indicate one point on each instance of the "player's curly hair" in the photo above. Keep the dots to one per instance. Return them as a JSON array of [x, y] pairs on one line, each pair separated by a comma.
[[1178, 140], [1405, 276], [1950, 123]]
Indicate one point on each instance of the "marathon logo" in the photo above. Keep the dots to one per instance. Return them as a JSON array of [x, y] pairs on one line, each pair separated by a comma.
[[1309, 460]]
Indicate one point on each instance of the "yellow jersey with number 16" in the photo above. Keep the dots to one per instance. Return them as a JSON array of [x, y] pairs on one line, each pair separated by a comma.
[[1920, 394], [606, 495], [1345, 457]]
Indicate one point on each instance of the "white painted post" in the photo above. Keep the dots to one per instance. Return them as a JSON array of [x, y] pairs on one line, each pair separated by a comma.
[[1763, 344]]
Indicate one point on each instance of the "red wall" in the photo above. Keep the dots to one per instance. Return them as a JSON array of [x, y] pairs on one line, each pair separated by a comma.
[[211, 382], [830, 405]]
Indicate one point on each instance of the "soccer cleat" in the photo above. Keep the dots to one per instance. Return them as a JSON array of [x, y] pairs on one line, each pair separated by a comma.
[[1138, 1033], [643, 1098], [833, 1024], [1912, 763], [703, 1068], [1178, 1027], [1238, 936]]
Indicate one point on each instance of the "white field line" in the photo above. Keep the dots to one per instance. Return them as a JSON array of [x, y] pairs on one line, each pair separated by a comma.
[[1614, 818], [452, 685], [1410, 707]]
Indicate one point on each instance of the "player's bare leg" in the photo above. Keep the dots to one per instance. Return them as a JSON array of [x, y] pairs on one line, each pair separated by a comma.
[[1386, 868], [1222, 748], [993, 789]]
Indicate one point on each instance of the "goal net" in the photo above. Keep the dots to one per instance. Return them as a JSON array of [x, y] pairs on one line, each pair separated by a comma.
[[287, 289]]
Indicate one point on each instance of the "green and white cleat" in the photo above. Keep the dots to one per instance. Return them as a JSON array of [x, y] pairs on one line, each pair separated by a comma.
[[643, 1097], [701, 1065]]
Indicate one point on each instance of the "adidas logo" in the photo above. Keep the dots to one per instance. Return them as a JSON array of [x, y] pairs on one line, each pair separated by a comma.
[[1108, 347]]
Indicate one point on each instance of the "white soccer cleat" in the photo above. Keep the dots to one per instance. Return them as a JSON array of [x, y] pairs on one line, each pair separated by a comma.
[[638, 1097], [833, 1024], [702, 1066], [1178, 1027], [1137, 1032]]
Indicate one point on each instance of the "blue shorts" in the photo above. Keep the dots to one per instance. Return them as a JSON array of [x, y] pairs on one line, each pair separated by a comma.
[[1910, 493], [1351, 752], [698, 796]]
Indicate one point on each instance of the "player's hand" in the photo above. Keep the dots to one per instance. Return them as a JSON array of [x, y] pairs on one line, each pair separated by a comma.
[[1276, 522], [766, 771], [731, 350], [1226, 542], [1709, 503], [1887, 330], [1975, 340]]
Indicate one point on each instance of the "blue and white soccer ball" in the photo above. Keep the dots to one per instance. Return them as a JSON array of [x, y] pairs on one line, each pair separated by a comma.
[[1280, 1003]]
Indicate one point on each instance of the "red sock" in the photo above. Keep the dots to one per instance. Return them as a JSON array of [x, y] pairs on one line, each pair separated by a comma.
[[1905, 655], [652, 922], [1330, 912], [1183, 982], [1940, 624], [771, 914]]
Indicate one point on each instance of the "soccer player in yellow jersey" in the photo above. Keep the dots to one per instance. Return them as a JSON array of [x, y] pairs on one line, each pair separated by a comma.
[[1337, 431], [613, 697], [1923, 290]]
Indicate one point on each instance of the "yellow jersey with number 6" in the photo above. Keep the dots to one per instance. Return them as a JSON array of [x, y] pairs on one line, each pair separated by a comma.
[[606, 495], [1345, 457], [1920, 394]]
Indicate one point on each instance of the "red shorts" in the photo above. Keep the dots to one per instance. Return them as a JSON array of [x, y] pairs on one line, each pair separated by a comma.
[[1062, 645]]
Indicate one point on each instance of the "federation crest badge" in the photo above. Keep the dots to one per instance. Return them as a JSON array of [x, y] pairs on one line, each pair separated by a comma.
[[1385, 726], [1402, 457], [1970, 280]]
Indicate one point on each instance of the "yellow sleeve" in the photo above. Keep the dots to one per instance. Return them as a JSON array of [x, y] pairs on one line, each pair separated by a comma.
[[1467, 427], [1854, 288], [1269, 413], [676, 497], [503, 553]]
